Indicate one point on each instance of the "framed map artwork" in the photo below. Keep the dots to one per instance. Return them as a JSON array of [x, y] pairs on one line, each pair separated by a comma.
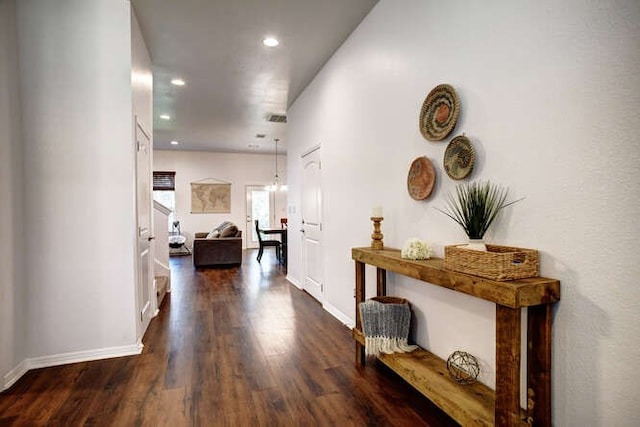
[[210, 198]]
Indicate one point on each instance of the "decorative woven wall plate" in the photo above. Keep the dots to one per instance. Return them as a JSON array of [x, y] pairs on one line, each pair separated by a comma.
[[439, 113], [459, 157], [421, 178]]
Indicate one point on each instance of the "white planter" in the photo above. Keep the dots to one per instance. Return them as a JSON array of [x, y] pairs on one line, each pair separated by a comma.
[[477, 245]]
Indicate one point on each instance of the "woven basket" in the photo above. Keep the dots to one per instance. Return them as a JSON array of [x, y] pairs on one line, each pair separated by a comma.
[[390, 300], [499, 263]]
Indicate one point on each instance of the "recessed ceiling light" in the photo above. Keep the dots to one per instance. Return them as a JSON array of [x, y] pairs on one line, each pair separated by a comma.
[[271, 42], [174, 143], [165, 117], [178, 82]]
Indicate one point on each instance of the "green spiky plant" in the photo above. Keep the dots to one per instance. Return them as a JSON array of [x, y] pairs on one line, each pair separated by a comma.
[[475, 206]]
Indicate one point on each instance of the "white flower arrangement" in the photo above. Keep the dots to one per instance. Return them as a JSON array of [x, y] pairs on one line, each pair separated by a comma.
[[416, 249]]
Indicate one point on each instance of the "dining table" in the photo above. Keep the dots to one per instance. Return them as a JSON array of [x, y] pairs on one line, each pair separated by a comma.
[[282, 232]]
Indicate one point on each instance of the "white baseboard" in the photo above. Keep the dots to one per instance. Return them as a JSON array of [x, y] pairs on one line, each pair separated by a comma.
[[65, 358], [346, 320], [294, 282], [14, 375]]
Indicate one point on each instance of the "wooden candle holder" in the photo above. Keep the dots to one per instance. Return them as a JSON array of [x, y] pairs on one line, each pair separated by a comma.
[[376, 236]]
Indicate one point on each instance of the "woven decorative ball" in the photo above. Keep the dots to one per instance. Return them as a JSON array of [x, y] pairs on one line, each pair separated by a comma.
[[463, 367]]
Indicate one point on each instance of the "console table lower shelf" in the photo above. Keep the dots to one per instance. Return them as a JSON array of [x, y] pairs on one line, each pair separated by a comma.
[[472, 404]]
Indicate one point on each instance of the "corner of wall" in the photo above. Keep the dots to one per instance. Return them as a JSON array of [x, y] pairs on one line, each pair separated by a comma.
[[12, 274]]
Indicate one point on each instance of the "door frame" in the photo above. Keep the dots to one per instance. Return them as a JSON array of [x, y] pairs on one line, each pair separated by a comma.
[[250, 227], [150, 307]]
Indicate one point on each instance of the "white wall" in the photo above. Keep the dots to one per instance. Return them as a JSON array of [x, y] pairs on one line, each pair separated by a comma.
[[12, 286], [141, 77], [75, 70], [550, 98], [238, 169], [142, 98]]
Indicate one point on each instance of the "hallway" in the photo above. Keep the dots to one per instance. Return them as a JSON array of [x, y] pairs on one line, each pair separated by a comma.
[[238, 346]]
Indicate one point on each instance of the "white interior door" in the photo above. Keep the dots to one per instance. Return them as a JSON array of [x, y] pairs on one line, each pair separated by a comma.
[[143, 195], [260, 203], [312, 224]]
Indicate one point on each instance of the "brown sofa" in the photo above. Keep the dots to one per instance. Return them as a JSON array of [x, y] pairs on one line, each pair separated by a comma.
[[222, 246]]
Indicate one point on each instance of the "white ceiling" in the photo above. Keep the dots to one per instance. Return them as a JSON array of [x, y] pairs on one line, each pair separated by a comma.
[[233, 81]]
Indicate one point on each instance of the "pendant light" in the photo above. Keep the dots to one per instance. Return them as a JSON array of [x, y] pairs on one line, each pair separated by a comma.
[[276, 186]]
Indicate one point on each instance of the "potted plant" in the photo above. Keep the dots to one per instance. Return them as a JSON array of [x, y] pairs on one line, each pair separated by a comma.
[[474, 207]]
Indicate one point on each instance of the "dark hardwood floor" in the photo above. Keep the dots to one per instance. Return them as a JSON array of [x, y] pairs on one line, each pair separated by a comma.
[[231, 347]]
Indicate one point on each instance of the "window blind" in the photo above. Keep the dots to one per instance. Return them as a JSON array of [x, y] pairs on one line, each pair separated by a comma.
[[164, 180]]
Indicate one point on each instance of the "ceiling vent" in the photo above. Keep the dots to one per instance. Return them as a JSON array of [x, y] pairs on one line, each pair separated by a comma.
[[260, 135], [277, 118]]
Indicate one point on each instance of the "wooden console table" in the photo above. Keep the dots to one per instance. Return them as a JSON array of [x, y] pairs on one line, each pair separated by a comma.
[[474, 404]]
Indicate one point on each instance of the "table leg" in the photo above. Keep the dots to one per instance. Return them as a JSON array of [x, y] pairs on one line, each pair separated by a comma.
[[381, 282], [360, 291], [539, 364], [284, 249], [507, 366]]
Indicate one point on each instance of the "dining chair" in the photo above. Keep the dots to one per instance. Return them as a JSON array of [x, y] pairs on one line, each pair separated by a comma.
[[267, 243]]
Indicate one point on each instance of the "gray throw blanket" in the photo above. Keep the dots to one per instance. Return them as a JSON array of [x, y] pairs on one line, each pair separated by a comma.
[[385, 324]]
